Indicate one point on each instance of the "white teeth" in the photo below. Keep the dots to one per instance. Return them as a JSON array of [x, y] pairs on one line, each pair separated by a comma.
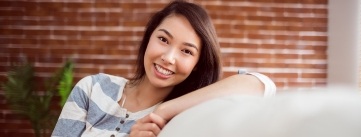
[[163, 71]]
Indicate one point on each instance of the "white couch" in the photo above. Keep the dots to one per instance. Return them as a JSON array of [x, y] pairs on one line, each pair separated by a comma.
[[315, 113]]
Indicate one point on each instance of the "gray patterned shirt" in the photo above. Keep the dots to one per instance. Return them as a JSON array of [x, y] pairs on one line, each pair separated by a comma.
[[92, 109]]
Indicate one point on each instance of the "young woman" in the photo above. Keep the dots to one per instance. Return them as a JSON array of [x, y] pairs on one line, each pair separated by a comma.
[[178, 62]]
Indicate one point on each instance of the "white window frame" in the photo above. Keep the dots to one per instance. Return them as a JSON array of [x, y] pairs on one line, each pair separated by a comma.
[[344, 43]]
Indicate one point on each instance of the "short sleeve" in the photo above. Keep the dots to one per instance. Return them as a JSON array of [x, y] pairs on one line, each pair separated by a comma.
[[270, 86]]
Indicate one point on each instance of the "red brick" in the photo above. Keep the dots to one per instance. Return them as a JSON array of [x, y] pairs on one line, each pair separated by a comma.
[[66, 32], [315, 1], [17, 133], [115, 16], [314, 38], [105, 42], [38, 13], [133, 6], [314, 56], [226, 34], [285, 75], [89, 51], [24, 42], [37, 32], [89, 71], [90, 15], [300, 84], [259, 36], [53, 22], [313, 20], [78, 5], [107, 4], [217, 7], [62, 52], [53, 59], [79, 23], [11, 13], [29, 5], [280, 84], [51, 6], [234, 55], [4, 4], [134, 24], [129, 43], [285, 56], [321, 48], [82, 43], [10, 32], [314, 75], [45, 69], [107, 23], [257, 55], [25, 124], [35, 51], [119, 72], [69, 15]]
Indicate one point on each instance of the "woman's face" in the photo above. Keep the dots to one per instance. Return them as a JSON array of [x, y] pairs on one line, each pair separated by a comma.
[[173, 51]]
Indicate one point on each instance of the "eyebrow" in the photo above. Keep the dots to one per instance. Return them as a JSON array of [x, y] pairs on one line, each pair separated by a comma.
[[190, 45], [166, 32], [171, 36]]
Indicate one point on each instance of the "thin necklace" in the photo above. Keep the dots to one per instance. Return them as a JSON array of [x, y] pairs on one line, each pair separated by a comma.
[[123, 102], [125, 98]]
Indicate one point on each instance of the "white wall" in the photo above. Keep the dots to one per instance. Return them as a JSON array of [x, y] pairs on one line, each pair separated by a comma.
[[344, 44]]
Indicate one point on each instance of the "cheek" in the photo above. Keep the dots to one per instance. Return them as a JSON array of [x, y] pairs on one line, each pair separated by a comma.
[[151, 50], [187, 66]]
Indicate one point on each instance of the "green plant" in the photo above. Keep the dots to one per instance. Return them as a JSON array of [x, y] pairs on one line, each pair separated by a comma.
[[35, 106], [66, 82]]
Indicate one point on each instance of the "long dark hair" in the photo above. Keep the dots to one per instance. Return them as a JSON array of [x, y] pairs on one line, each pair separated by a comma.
[[208, 68]]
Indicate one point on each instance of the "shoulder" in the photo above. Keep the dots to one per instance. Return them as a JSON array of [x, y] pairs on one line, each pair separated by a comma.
[[103, 76], [98, 84], [100, 78]]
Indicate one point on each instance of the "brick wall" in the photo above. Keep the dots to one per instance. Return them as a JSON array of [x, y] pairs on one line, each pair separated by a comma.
[[284, 39]]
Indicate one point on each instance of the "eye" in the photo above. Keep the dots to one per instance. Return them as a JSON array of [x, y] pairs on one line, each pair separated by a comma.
[[163, 40], [187, 52]]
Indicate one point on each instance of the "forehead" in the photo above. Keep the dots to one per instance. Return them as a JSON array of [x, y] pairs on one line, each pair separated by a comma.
[[180, 28], [175, 19]]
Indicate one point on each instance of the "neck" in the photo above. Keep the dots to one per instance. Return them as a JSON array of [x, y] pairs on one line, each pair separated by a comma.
[[144, 95]]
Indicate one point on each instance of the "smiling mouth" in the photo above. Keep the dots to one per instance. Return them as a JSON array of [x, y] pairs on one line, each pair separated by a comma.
[[163, 70]]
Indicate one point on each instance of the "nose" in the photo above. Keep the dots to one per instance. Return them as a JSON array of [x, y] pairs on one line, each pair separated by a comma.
[[169, 56]]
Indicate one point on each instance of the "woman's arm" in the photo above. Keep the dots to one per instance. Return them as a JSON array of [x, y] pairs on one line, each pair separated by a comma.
[[252, 84], [236, 84]]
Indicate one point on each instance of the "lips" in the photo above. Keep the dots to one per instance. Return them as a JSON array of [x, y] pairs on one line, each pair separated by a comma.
[[162, 70]]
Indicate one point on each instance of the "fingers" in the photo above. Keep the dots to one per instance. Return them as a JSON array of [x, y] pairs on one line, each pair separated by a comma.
[[153, 118], [142, 134], [148, 126], [145, 129], [157, 120]]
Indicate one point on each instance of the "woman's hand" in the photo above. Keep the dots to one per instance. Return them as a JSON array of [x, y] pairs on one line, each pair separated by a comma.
[[149, 126]]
